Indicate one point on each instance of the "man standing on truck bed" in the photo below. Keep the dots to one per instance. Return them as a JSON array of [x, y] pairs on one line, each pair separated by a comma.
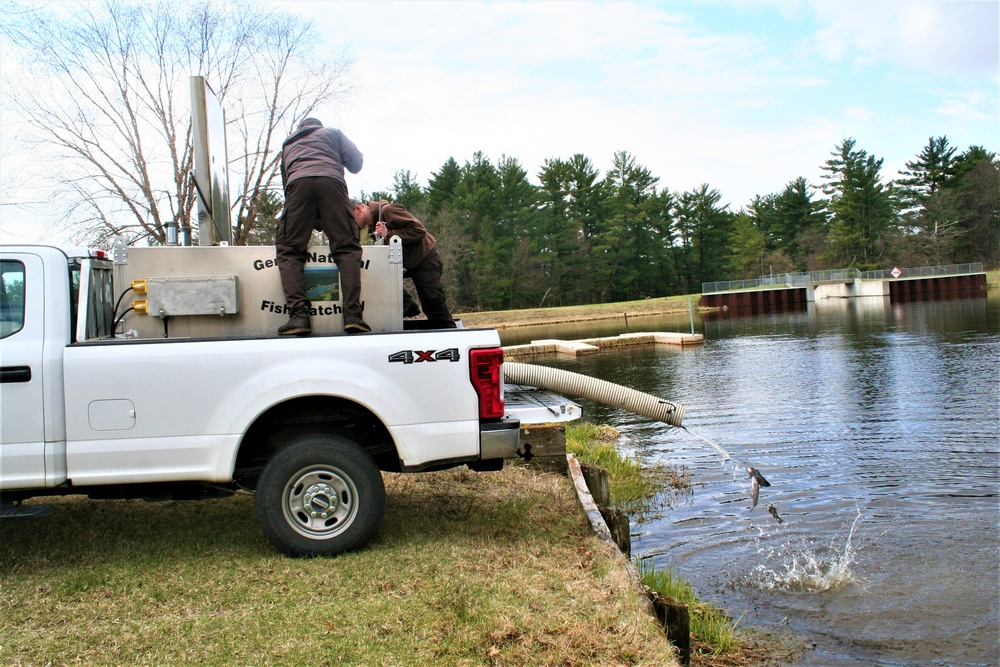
[[421, 259], [313, 159]]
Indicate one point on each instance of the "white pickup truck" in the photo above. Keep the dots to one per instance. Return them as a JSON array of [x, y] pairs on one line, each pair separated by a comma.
[[307, 424]]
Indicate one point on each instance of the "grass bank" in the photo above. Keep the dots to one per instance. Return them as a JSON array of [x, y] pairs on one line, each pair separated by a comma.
[[563, 314], [993, 279], [467, 569], [641, 489], [668, 305], [636, 488]]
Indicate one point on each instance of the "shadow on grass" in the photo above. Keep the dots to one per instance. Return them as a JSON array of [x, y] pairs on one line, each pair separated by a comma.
[[103, 532], [449, 507]]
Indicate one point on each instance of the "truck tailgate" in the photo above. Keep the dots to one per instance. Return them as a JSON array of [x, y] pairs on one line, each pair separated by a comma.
[[533, 405]]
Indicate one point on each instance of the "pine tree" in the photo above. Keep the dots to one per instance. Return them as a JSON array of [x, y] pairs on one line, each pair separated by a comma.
[[571, 201], [441, 189], [928, 173], [797, 214], [619, 249], [862, 207], [976, 185], [406, 190], [704, 230], [748, 249]]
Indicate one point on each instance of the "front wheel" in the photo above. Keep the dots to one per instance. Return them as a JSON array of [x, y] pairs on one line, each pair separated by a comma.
[[319, 496]]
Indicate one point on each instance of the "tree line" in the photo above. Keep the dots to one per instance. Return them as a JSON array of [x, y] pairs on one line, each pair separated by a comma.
[[583, 237]]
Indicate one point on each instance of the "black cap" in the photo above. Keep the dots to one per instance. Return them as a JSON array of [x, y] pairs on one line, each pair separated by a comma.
[[310, 121]]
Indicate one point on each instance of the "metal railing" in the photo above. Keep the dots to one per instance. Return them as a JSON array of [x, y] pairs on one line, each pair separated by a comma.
[[839, 276], [924, 272]]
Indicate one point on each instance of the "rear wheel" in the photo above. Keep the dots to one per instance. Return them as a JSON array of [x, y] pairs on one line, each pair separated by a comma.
[[319, 496]]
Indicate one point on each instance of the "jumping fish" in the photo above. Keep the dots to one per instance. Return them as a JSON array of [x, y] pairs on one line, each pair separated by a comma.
[[773, 511], [756, 481]]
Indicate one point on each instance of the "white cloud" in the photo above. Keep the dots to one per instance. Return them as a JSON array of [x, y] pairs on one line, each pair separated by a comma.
[[535, 81], [858, 113], [963, 110], [955, 36], [745, 108]]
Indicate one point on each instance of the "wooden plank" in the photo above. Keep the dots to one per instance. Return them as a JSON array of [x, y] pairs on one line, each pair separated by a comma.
[[600, 527]]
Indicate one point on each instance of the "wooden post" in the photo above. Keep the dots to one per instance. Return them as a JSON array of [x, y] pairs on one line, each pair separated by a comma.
[[620, 529], [674, 618], [597, 482]]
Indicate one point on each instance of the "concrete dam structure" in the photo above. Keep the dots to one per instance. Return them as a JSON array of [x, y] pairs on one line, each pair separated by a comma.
[[794, 291]]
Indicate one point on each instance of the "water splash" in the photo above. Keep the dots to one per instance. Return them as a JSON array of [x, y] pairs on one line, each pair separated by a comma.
[[808, 571], [718, 448]]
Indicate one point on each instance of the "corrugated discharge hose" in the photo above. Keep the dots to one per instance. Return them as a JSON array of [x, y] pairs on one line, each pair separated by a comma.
[[602, 391]]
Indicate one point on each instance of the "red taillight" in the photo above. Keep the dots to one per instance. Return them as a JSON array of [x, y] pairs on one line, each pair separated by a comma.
[[484, 369]]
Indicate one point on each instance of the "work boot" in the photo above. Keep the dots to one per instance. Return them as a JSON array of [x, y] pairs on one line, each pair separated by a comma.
[[297, 325], [353, 325], [410, 307]]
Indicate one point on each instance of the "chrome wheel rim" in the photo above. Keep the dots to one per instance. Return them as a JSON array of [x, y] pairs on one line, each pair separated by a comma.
[[320, 502]]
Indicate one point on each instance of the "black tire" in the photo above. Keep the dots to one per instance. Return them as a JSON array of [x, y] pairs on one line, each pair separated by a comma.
[[320, 495]]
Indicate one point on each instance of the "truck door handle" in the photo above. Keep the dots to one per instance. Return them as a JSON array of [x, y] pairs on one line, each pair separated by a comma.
[[15, 374]]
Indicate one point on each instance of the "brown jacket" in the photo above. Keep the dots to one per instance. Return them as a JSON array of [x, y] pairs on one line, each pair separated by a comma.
[[315, 150], [418, 243]]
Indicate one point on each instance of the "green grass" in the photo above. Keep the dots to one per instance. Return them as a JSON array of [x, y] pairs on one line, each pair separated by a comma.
[[637, 487], [588, 312], [467, 569], [710, 626]]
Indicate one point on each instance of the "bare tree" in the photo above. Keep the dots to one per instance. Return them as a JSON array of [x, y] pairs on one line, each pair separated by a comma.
[[108, 99]]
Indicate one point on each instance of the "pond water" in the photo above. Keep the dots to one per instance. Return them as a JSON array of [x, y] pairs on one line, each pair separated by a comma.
[[878, 427]]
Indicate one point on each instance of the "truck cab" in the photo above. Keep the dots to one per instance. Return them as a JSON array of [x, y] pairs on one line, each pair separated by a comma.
[[39, 316]]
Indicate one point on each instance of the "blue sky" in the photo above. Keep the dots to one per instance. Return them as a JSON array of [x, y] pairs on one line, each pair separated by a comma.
[[744, 96]]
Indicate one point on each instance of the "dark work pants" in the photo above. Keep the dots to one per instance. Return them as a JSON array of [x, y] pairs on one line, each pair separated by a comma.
[[426, 278], [310, 203]]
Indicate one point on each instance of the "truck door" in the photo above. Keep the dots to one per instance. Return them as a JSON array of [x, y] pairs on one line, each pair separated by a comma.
[[22, 418]]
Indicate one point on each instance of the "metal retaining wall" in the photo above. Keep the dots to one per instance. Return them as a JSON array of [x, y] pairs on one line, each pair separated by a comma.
[[906, 289], [930, 288], [758, 298]]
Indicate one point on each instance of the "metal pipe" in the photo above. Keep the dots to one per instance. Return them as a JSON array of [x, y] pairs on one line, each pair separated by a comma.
[[170, 231]]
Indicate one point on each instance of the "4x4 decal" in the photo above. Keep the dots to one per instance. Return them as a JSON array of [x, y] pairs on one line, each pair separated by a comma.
[[416, 356]]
